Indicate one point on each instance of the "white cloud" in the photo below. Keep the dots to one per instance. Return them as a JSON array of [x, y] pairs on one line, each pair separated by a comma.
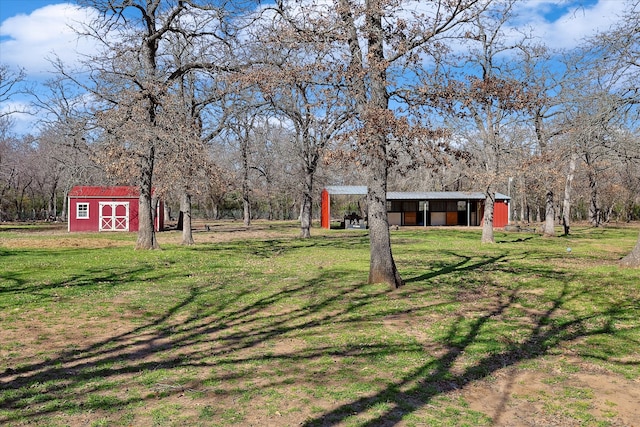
[[30, 40], [21, 116], [565, 24]]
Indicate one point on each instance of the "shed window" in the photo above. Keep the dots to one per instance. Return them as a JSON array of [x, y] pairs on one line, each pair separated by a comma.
[[82, 211]]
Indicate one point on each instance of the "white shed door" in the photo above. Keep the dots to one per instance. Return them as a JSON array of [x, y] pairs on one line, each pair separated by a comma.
[[114, 216]]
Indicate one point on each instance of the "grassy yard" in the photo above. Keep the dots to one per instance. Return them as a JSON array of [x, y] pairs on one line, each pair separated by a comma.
[[262, 328]]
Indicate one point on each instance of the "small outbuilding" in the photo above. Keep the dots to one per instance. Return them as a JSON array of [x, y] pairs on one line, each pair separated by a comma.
[[432, 208], [109, 208]]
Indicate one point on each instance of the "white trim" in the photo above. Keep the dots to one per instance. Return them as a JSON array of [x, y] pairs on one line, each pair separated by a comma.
[[78, 205], [113, 222]]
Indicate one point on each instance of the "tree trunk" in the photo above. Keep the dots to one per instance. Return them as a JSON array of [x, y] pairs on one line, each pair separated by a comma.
[[215, 211], [549, 229], [146, 230], [566, 203], [594, 201], [167, 212], [306, 206], [487, 224], [246, 209], [382, 267], [63, 211], [633, 259], [52, 207], [372, 104], [185, 209], [246, 188]]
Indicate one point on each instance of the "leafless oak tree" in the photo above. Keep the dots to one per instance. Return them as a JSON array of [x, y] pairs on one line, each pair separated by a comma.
[[381, 37]]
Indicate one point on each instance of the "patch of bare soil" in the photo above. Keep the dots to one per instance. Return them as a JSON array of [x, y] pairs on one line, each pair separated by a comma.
[[550, 391], [61, 242], [226, 231], [55, 235], [516, 397]]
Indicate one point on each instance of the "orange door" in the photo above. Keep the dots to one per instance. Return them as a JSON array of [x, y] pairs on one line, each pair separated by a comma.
[[410, 218], [452, 218]]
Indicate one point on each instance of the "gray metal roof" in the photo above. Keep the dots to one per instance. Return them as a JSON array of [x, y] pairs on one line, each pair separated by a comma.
[[361, 190], [352, 190], [441, 195]]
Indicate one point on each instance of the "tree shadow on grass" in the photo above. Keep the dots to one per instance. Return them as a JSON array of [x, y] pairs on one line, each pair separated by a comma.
[[233, 340], [62, 382], [419, 387], [461, 266]]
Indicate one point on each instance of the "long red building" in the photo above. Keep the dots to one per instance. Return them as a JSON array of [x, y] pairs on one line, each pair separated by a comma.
[[430, 208]]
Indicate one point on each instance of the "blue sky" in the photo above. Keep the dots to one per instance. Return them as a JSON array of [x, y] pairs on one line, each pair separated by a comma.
[[13, 7], [31, 31]]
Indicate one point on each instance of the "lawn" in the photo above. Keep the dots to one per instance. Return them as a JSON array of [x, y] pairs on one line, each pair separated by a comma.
[[261, 328]]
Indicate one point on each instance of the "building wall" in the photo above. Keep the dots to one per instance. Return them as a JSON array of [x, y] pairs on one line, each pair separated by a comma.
[[501, 213], [92, 223], [325, 213], [442, 212]]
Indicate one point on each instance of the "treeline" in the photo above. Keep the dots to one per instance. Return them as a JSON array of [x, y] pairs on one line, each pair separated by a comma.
[[246, 111]]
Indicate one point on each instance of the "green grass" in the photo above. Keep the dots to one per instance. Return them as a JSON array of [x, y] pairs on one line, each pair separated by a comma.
[[283, 331]]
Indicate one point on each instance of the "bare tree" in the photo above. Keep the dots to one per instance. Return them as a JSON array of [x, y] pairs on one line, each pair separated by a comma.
[[307, 97], [622, 44], [378, 37], [9, 86], [243, 116], [488, 96], [8, 169], [543, 84], [131, 76]]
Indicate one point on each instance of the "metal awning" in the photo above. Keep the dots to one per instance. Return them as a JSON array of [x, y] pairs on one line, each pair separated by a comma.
[[347, 190], [361, 190]]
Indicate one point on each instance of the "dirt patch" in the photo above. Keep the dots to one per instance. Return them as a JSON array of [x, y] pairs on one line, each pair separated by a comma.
[[61, 243], [515, 397], [559, 390], [56, 236]]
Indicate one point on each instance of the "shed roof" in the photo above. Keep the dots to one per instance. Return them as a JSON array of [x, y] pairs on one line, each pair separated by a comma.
[[352, 190], [441, 195], [361, 190], [104, 191]]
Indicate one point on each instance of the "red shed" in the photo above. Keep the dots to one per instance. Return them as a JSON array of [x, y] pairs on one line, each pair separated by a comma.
[[107, 209]]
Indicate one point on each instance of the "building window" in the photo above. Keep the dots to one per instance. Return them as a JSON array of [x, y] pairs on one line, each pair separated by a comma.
[[438, 206], [82, 211], [409, 206], [394, 205]]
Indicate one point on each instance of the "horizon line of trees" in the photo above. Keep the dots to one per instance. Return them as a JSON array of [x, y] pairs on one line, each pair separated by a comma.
[[29, 197]]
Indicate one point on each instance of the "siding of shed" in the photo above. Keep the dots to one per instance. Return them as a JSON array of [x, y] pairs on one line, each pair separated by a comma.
[[93, 196], [93, 222]]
